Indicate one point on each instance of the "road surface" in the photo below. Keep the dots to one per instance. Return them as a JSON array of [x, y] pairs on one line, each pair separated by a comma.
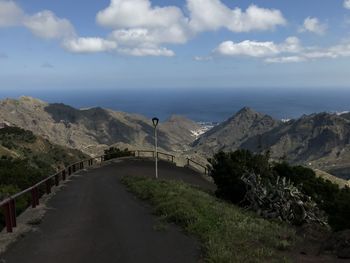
[[94, 219]]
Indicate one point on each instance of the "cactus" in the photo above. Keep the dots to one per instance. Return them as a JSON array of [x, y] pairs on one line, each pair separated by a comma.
[[278, 198]]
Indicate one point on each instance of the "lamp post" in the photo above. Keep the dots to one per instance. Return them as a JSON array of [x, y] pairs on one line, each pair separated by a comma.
[[155, 123]]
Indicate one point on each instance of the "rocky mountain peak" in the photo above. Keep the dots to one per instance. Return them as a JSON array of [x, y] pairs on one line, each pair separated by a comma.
[[246, 110], [31, 100]]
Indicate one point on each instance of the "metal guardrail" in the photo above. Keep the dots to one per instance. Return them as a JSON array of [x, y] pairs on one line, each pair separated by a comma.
[[196, 165], [160, 155], [169, 157], [9, 204]]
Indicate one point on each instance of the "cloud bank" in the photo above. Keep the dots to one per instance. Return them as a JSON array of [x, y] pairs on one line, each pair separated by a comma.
[[313, 25]]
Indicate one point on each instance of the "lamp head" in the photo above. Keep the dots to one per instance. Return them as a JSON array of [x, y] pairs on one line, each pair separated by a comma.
[[155, 121]]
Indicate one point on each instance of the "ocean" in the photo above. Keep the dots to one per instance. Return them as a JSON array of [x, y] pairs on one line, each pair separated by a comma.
[[206, 105]]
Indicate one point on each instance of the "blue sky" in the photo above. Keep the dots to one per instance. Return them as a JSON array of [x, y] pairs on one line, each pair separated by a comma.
[[101, 44]]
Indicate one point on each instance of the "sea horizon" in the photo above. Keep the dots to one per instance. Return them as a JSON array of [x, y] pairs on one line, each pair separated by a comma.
[[201, 105]]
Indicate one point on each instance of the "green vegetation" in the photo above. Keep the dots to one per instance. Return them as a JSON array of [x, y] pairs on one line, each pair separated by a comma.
[[114, 152], [10, 134], [328, 196], [229, 168], [26, 159], [227, 233]]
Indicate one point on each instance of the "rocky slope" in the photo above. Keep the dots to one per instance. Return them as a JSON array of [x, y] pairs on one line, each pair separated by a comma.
[[318, 140], [91, 130], [20, 144], [231, 134]]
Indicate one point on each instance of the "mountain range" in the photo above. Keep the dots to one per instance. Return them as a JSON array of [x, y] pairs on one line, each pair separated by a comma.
[[92, 130], [319, 140]]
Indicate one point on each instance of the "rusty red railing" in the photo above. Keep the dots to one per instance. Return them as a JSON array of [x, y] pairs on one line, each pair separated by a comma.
[[9, 204]]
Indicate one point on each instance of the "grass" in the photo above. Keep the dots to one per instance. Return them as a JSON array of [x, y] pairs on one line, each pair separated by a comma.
[[226, 232]]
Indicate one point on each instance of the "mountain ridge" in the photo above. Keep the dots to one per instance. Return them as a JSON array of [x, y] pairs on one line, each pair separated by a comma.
[[319, 140], [94, 129]]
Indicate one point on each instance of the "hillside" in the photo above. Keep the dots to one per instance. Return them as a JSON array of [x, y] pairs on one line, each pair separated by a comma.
[[19, 144], [26, 158], [91, 130], [319, 140], [231, 134]]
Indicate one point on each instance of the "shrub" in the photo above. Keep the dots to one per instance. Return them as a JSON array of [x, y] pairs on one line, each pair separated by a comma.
[[328, 196], [228, 169], [114, 152]]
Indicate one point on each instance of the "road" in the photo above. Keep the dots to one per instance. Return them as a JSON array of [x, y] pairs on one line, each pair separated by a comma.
[[95, 219]]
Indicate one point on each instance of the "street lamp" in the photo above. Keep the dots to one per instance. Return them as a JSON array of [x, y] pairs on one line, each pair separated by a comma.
[[155, 123]]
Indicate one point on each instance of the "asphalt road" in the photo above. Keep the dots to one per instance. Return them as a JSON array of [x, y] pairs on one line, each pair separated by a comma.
[[94, 219]]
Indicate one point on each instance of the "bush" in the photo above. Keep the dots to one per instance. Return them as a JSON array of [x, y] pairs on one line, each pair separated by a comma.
[[9, 133], [228, 169], [328, 196], [114, 152]]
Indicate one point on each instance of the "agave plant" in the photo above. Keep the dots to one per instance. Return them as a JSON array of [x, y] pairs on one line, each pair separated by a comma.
[[279, 199]]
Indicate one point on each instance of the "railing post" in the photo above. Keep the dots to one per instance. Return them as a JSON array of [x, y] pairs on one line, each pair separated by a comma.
[[48, 186], [69, 170], [13, 212], [33, 198], [56, 180], [188, 162], [7, 215], [64, 175], [37, 195], [172, 159]]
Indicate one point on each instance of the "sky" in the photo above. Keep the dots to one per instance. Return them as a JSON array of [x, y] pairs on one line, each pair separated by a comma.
[[111, 44]]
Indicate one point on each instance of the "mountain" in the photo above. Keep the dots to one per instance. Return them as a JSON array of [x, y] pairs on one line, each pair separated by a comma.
[[319, 140], [91, 130], [231, 134], [37, 152], [183, 130]]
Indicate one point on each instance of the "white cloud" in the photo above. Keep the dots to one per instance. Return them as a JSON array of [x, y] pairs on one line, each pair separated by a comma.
[[213, 14], [258, 49], [312, 24], [247, 48], [47, 25], [137, 36], [138, 13], [88, 45], [205, 58], [314, 53], [141, 28], [347, 4], [282, 60], [10, 13], [147, 51]]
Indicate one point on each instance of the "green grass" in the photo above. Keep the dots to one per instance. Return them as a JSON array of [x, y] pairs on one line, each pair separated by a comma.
[[226, 232]]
